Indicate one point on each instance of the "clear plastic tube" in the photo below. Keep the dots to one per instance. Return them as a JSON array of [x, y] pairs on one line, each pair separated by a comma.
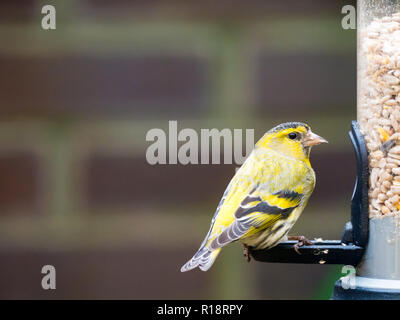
[[378, 100]]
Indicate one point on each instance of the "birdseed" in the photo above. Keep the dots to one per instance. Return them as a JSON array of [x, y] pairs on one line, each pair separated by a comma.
[[379, 110]]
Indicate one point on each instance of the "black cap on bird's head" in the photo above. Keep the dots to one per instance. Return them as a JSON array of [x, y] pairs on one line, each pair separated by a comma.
[[287, 125], [293, 139]]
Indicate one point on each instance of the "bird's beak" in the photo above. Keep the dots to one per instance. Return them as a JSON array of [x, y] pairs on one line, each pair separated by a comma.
[[311, 139]]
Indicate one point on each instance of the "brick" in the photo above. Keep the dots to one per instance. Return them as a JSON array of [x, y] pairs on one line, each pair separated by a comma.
[[336, 173], [298, 83], [129, 181], [170, 85], [19, 181], [18, 11]]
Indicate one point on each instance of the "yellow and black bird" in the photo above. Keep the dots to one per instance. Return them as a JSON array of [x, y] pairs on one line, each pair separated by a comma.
[[265, 197]]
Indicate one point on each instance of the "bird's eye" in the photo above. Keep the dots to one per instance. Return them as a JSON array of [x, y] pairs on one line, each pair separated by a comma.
[[292, 135]]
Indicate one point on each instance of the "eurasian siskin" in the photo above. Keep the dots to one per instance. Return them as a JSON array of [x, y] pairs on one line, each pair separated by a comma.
[[265, 197]]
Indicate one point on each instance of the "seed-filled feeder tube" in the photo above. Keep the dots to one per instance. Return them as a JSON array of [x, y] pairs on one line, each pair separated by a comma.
[[379, 101], [378, 115]]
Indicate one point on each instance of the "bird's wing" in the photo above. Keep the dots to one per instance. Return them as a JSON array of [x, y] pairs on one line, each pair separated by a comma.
[[263, 191], [266, 188], [221, 202], [258, 211]]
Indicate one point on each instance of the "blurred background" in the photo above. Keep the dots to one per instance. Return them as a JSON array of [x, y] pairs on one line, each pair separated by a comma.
[[76, 103]]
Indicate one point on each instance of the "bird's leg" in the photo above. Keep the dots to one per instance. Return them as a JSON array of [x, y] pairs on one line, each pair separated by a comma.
[[246, 252], [302, 241]]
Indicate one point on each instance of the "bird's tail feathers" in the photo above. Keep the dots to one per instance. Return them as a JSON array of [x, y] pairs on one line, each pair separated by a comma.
[[204, 259]]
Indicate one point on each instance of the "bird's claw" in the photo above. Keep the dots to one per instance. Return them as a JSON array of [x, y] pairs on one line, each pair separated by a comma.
[[302, 241]]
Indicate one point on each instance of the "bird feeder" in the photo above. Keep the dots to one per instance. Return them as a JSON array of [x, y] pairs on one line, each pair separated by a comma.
[[350, 249], [371, 239]]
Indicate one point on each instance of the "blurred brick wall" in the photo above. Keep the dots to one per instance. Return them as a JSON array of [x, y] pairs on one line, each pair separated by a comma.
[[76, 104], [90, 84]]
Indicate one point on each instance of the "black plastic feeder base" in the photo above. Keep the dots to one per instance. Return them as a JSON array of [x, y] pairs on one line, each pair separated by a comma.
[[320, 252]]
